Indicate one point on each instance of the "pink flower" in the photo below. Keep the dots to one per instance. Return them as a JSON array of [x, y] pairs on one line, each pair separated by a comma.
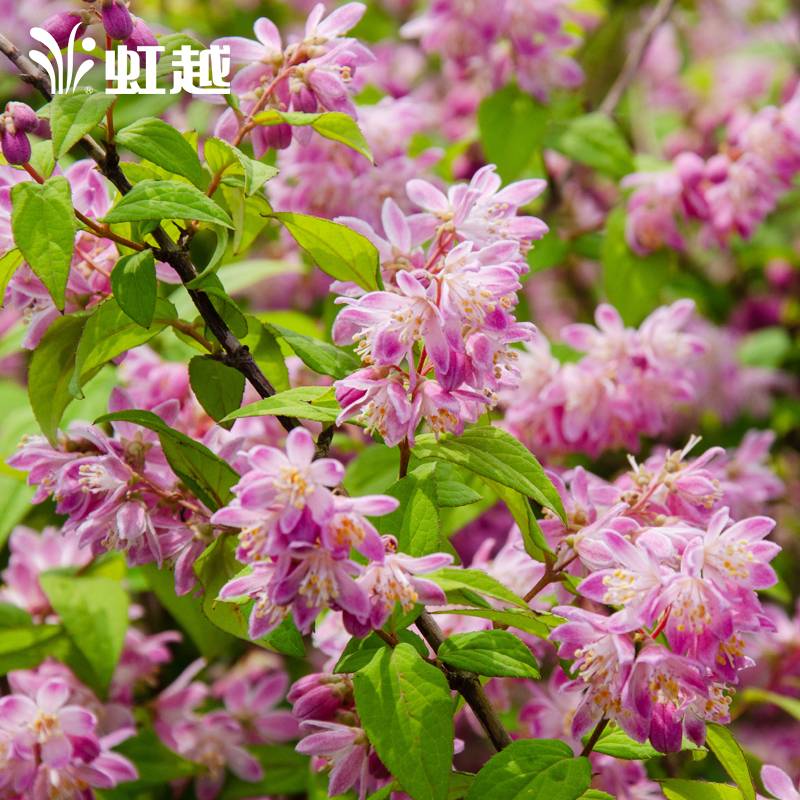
[[778, 783]]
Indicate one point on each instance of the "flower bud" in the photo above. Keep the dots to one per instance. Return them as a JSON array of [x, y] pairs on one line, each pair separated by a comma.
[[15, 146], [279, 137], [22, 116], [61, 25], [141, 36], [117, 20]]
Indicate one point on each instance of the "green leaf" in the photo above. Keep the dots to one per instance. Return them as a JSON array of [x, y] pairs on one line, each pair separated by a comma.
[[335, 249], [415, 522], [632, 284], [532, 770], [74, 115], [94, 613], [489, 653], [285, 772], [512, 127], [494, 454], [520, 507], [767, 347], [110, 332], [679, 789], [729, 753], [9, 264], [157, 200], [322, 357], [595, 794], [158, 142], [405, 708], [305, 402], [332, 125], [217, 387], [536, 624], [26, 646], [267, 353], [43, 224], [615, 742], [203, 472], [209, 639], [215, 567], [595, 140], [50, 372], [135, 286], [220, 156], [156, 763], [454, 579], [788, 704], [359, 652]]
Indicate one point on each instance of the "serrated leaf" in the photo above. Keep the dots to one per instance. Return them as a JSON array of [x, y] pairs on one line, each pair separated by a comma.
[[50, 372], [155, 140], [221, 155], [359, 652], [135, 286], [490, 653], [453, 579], [494, 454], [405, 708], [94, 613], [110, 332], [532, 770], [217, 387], [322, 357], [44, 227], [415, 522], [332, 125], [305, 402], [203, 472], [536, 624], [335, 249], [74, 115], [157, 200]]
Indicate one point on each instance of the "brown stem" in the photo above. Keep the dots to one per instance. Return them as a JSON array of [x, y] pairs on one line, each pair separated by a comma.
[[596, 734], [467, 684], [110, 110], [189, 330], [635, 56], [405, 457], [238, 355]]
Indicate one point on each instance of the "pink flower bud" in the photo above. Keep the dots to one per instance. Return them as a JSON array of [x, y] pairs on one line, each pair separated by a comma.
[[61, 25], [117, 20], [15, 146], [141, 36], [279, 137], [23, 117]]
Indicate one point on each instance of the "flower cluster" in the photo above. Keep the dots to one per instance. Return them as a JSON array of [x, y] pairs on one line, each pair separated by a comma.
[[297, 536], [730, 193], [332, 733], [308, 75], [446, 310], [50, 742], [679, 579], [524, 39], [629, 383]]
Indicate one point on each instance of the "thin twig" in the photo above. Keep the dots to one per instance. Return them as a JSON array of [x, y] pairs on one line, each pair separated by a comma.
[[176, 256], [467, 684], [634, 60], [596, 734]]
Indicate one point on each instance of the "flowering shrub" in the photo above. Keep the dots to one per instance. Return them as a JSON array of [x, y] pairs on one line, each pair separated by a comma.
[[400, 400]]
